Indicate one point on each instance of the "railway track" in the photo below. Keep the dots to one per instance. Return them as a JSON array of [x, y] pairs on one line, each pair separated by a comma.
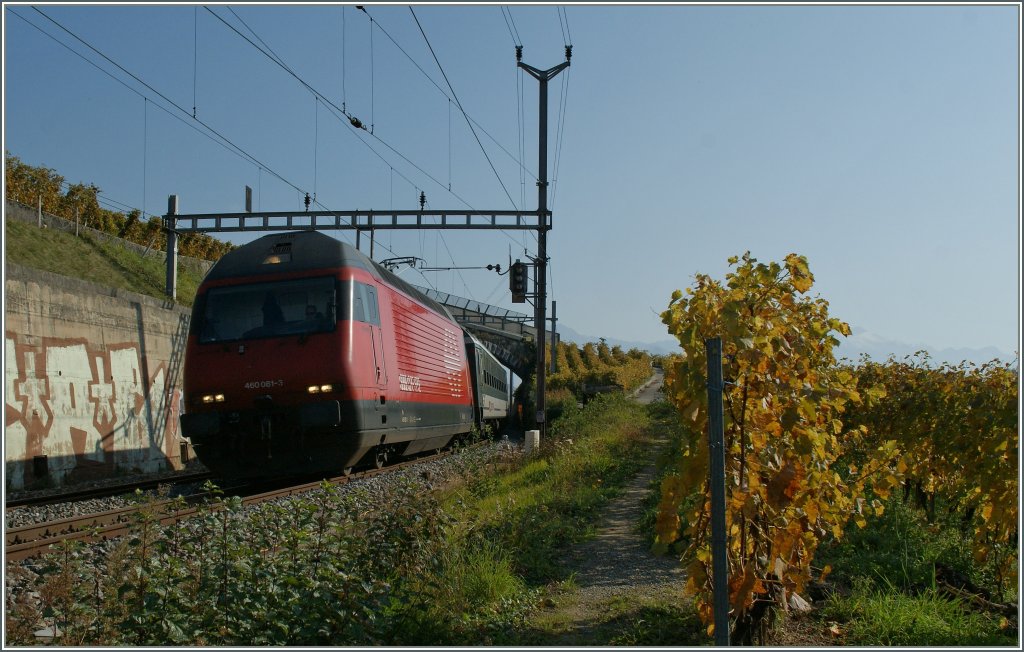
[[102, 492], [33, 540]]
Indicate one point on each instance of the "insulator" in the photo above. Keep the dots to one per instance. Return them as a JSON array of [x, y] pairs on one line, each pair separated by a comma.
[[356, 123], [568, 52], [519, 53]]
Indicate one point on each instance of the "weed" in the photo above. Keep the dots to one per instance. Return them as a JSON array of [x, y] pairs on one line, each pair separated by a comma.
[[900, 550], [99, 261], [889, 617], [398, 567]]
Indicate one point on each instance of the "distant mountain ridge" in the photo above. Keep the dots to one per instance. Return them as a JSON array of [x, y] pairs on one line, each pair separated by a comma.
[[878, 348]]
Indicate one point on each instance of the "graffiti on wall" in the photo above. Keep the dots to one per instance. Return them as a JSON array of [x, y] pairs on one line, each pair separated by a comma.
[[85, 408]]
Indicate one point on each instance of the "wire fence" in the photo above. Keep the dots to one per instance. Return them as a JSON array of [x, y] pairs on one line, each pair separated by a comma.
[[32, 215]]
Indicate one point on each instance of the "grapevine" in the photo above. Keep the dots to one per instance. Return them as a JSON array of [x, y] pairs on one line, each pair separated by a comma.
[[959, 440], [784, 403]]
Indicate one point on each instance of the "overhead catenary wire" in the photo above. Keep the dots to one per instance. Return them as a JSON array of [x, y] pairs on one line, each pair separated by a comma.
[[225, 141], [568, 32], [506, 13], [165, 98], [349, 122], [459, 104], [508, 10], [216, 135], [316, 139], [560, 137], [262, 42], [449, 145], [372, 77], [343, 58], [355, 131], [219, 140], [115, 204], [450, 256], [145, 144], [195, 55], [561, 24], [517, 161]]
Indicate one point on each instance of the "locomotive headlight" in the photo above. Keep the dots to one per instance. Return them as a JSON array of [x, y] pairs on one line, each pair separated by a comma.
[[213, 398], [320, 389]]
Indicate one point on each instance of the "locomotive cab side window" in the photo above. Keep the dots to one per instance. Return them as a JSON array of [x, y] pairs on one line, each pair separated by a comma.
[[364, 302]]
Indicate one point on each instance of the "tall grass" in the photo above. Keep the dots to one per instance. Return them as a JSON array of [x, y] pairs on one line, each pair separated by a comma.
[[102, 262], [402, 566], [543, 504], [870, 616]]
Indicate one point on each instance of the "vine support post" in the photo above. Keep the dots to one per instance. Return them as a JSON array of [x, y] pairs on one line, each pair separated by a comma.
[[716, 468]]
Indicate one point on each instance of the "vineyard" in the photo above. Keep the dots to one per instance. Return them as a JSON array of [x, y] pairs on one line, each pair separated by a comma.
[[813, 446], [597, 367], [35, 186]]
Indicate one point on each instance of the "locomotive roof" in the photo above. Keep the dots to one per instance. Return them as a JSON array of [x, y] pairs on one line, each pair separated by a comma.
[[299, 251]]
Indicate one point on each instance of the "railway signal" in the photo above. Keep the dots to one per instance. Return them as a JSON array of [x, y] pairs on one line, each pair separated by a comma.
[[371, 220], [517, 282]]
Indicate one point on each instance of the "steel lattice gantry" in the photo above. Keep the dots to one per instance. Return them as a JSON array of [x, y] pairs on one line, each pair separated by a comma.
[[506, 335], [358, 221], [368, 220]]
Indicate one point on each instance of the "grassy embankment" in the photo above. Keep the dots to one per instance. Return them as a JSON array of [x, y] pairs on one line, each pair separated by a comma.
[[104, 263], [471, 563]]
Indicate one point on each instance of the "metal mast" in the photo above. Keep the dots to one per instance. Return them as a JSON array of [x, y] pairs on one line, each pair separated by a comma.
[[543, 223], [371, 220]]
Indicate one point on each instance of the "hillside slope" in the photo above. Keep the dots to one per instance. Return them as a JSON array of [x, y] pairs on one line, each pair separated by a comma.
[[87, 258]]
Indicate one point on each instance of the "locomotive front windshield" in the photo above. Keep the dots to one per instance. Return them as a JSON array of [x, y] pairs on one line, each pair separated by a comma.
[[276, 309]]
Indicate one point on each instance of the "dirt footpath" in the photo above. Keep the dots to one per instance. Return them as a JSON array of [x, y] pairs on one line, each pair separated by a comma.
[[618, 581]]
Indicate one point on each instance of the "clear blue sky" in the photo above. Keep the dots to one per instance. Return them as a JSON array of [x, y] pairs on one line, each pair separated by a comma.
[[880, 142]]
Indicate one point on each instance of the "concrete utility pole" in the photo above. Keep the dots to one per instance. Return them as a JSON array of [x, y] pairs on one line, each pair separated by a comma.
[[543, 224]]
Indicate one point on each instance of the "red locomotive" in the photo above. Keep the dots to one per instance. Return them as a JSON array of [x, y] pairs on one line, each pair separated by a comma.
[[305, 356]]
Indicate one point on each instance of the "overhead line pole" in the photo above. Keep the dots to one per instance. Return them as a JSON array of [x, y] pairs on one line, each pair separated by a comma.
[[543, 223], [176, 224]]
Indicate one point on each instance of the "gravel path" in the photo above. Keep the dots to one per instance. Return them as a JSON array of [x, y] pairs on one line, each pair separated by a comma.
[[616, 572]]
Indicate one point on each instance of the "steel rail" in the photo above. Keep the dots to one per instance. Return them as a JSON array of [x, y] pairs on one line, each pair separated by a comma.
[[33, 540], [101, 492]]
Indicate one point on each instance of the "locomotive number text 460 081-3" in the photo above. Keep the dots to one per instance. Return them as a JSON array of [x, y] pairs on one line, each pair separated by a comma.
[[263, 384]]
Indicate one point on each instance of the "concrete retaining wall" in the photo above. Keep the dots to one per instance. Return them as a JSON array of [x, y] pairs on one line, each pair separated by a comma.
[[92, 380]]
